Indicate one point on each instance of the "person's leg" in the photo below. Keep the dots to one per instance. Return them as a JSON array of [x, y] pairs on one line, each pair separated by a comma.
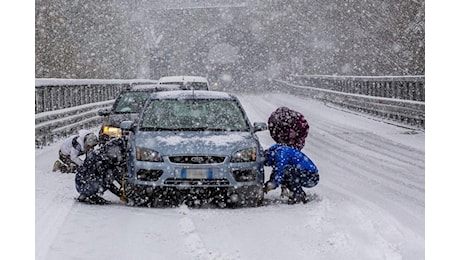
[[88, 189], [292, 181], [309, 179], [68, 165]]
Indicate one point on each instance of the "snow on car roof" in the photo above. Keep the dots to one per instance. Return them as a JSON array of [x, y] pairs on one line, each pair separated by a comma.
[[153, 87], [182, 79], [191, 94], [144, 86]]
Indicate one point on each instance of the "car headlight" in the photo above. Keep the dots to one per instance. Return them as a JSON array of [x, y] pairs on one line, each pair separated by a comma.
[[111, 131], [144, 154], [245, 155]]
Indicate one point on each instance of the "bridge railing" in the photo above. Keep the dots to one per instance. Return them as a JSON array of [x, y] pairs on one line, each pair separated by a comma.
[[397, 99], [397, 87]]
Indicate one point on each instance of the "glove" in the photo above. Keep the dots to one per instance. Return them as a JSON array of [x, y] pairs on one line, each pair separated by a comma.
[[268, 186], [123, 198], [266, 158]]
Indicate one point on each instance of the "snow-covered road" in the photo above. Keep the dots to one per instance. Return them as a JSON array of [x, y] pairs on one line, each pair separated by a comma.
[[370, 203]]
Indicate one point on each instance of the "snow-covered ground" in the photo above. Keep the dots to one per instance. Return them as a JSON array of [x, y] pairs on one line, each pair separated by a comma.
[[370, 203]]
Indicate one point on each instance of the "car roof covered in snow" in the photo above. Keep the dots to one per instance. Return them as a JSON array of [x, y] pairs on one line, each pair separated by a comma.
[[143, 87], [182, 79], [189, 94]]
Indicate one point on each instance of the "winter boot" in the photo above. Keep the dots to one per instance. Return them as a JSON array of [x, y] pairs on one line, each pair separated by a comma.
[[298, 197], [57, 166], [95, 199], [82, 198]]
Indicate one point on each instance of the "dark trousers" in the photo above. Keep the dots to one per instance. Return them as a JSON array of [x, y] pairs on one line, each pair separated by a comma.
[[294, 179], [88, 187]]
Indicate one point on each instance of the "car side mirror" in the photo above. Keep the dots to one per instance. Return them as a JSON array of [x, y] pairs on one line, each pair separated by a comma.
[[103, 112], [127, 126], [260, 126]]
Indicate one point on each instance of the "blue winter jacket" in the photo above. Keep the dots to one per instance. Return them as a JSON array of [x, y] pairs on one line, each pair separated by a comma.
[[278, 156]]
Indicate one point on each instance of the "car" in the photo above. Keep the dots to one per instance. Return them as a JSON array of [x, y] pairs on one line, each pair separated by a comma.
[[186, 82], [127, 106], [194, 147]]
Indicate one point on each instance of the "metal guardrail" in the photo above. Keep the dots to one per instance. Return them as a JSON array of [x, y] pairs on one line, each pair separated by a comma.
[[49, 127], [396, 87], [398, 99], [55, 94]]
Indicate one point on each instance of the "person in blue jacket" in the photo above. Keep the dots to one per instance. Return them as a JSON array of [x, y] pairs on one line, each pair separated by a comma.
[[99, 172], [292, 169]]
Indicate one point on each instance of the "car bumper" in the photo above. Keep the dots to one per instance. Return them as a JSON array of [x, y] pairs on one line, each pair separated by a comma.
[[188, 176], [236, 183]]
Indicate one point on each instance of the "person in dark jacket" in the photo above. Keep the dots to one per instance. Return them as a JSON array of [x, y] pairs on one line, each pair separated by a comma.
[[99, 171], [292, 169]]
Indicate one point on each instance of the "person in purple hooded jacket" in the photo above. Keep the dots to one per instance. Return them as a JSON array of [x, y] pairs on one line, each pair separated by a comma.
[[292, 169]]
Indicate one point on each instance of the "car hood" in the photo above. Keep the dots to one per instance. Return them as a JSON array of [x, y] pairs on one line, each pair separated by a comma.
[[181, 143]]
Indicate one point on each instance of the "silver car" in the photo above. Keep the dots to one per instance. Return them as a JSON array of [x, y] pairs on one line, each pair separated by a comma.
[[194, 147]]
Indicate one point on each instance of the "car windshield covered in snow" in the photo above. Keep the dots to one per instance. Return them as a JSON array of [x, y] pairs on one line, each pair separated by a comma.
[[194, 115]]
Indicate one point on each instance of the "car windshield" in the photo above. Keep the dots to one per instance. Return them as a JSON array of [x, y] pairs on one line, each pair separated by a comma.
[[131, 102], [193, 115]]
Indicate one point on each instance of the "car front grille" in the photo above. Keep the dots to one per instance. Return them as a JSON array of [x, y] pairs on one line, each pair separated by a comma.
[[197, 182], [197, 159]]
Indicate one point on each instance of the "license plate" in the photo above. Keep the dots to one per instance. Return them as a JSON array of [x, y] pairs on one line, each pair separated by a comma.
[[196, 173]]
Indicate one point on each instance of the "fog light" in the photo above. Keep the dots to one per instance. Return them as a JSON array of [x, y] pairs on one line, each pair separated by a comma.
[[234, 198], [244, 175]]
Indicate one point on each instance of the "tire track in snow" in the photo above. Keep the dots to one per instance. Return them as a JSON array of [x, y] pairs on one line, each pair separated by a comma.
[[54, 209], [193, 241], [372, 142], [409, 172]]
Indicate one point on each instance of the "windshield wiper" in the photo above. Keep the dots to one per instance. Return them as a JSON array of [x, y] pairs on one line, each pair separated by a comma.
[[157, 129], [217, 129]]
